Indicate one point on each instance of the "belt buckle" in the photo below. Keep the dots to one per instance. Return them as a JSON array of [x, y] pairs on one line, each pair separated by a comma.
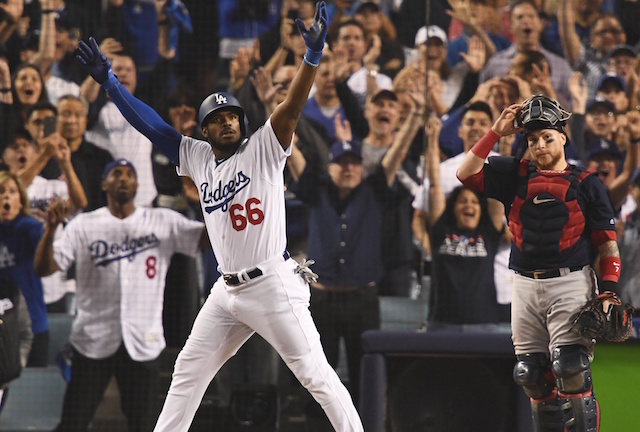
[[537, 274], [227, 277]]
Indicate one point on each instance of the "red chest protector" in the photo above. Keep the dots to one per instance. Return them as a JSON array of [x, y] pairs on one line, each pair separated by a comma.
[[545, 217]]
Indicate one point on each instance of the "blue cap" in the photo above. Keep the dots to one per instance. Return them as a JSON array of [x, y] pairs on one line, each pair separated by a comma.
[[602, 145], [116, 163], [600, 101], [341, 148], [627, 50], [612, 77]]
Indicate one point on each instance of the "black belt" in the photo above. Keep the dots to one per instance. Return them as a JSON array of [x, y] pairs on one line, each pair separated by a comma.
[[546, 274], [233, 279]]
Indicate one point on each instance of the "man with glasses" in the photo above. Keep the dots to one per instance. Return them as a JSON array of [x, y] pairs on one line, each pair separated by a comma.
[[589, 58], [620, 60]]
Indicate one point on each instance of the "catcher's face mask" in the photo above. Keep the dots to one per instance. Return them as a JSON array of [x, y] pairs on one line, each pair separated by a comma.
[[540, 112]]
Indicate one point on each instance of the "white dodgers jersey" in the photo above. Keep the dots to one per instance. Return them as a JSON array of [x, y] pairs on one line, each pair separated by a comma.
[[121, 266], [242, 197]]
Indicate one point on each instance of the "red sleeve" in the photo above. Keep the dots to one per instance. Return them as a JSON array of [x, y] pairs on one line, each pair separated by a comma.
[[475, 182], [610, 265]]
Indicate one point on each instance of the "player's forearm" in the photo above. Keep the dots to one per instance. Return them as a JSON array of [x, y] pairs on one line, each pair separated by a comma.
[[606, 244], [142, 117], [473, 161], [285, 116], [43, 262]]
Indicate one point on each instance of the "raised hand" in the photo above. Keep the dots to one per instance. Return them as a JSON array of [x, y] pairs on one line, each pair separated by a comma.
[[506, 123], [93, 61], [12, 9], [56, 212], [263, 84], [476, 57], [316, 34], [343, 128]]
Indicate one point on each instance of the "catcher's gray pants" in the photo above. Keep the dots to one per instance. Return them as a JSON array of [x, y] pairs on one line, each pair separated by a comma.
[[542, 310]]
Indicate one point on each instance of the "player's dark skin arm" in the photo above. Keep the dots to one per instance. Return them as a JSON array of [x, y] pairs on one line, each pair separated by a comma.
[[285, 117], [43, 262]]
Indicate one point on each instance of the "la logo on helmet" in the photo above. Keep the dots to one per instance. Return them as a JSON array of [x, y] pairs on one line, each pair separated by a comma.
[[220, 99]]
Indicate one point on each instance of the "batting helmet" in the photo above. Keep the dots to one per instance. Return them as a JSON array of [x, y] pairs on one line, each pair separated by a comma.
[[541, 112], [222, 101]]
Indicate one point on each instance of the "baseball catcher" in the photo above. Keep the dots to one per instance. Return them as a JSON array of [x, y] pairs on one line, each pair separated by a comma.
[[560, 218]]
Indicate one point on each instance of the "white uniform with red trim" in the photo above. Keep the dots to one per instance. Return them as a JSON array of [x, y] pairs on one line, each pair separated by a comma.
[[242, 199]]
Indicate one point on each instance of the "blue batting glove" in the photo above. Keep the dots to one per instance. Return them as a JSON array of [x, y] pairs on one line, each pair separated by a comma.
[[316, 34], [93, 61]]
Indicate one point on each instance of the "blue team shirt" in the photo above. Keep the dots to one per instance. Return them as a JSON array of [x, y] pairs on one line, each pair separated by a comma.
[[18, 241]]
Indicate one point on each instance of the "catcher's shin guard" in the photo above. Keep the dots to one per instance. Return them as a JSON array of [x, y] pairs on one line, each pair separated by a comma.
[[570, 365], [576, 413], [550, 414]]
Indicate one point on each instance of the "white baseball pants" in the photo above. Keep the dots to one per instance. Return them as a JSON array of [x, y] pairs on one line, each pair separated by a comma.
[[276, 306]]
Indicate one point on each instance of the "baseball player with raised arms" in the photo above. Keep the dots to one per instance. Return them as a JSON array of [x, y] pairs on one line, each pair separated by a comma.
[[122, 254], [241, 188], [561, 220]]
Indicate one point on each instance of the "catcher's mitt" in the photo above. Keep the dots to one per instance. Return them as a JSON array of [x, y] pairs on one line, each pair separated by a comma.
[[614, 325]]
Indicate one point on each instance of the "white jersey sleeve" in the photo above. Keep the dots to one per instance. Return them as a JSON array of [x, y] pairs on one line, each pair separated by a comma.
[[183, 232]]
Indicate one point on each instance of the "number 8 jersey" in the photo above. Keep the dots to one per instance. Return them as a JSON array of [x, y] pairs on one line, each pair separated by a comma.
[[242, 197]]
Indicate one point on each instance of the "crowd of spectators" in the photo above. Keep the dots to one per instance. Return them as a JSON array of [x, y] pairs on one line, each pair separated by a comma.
[[371, 189]]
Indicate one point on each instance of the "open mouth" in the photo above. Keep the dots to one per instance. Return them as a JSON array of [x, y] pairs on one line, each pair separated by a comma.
[[383, 118], [29, 92], [6, 206], [22, 159]]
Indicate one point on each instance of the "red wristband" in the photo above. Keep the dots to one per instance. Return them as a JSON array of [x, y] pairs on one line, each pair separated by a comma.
[[486, 143], [610, 268]]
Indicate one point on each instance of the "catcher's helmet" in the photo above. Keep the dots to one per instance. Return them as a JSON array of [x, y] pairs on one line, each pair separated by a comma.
[[222, 101], [540, 112]]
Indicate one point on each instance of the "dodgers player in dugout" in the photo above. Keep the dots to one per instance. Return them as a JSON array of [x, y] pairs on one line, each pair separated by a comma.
[[122, 254], [241, 188], [561, 220]]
